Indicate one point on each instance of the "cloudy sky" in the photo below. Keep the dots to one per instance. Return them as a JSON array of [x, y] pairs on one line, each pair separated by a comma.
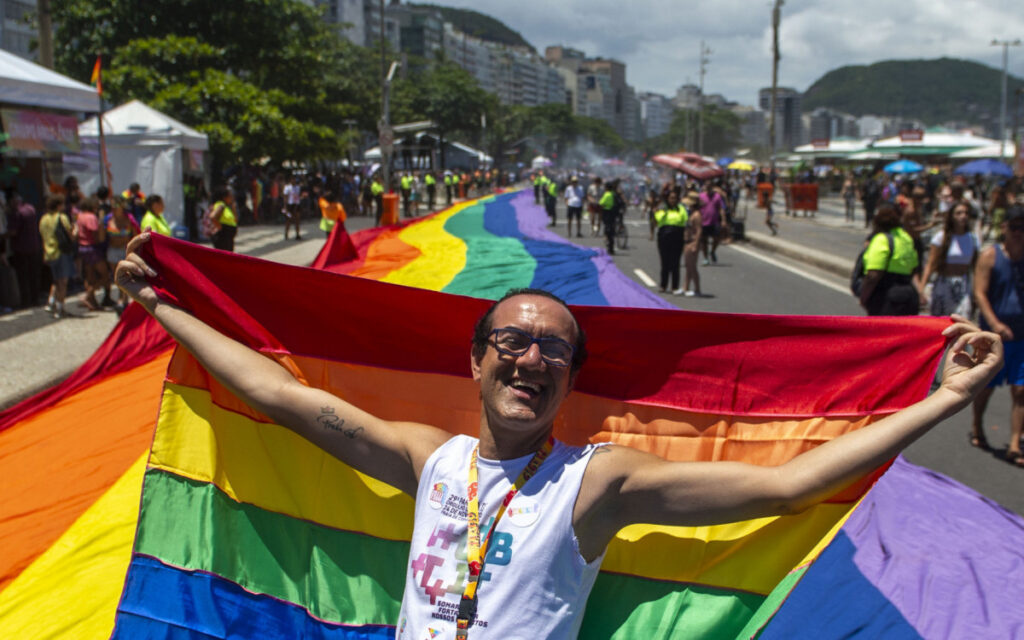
[[659, 40]]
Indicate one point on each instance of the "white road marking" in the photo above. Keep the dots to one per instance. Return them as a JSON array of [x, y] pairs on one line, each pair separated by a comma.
[[646, 279], [803, 274]]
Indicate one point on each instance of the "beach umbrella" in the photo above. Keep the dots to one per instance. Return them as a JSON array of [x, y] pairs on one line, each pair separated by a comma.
[[985, 167], [740, 165], [724, 162], [903, 166]]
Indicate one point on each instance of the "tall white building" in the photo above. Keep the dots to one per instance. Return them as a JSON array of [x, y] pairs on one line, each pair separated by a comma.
[[16, 32], [656, 113]]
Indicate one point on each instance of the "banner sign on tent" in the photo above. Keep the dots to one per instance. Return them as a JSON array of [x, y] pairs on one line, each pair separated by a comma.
[[36, 131]]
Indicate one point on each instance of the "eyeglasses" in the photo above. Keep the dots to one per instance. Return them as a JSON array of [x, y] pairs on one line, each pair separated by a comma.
[[513, 342]]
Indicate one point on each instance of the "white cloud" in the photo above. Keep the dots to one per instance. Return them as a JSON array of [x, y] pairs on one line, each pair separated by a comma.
[[659, 40]]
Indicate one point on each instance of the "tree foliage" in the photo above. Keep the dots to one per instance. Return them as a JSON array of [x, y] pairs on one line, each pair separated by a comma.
[[263, 78], [936, 91]]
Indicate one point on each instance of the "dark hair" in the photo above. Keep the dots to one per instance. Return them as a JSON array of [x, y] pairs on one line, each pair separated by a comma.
[[54, 203], [887, 218], [151, 199], [103, 193], [91, 204], [948, 228], [220, 192], [133, 187], [484, 325]]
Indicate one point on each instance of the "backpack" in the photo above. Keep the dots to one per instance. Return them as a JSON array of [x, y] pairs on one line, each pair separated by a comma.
[[208, 226], [857, 277], [65, 243]]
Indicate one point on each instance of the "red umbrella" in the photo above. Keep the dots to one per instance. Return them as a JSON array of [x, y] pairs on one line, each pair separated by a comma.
[[691, 164]]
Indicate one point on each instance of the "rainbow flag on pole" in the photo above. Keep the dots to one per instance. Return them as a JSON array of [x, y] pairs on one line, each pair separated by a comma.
[[246, 530]]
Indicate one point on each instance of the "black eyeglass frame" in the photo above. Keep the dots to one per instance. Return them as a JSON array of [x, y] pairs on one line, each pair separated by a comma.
[[540, 344]]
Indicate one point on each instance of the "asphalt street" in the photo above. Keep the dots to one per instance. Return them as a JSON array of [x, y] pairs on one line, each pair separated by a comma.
[[761, 275]]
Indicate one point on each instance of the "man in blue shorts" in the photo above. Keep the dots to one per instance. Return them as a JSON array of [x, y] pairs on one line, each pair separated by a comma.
[[999, 292]]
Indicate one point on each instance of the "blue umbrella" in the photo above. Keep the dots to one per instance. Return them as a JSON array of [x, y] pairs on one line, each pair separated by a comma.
[[724, 162], [903, 166], [985, 167]]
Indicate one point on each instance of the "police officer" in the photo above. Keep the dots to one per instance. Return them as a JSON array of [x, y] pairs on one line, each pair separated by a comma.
[[406, 188], [431, 183], [551, 199], [671, 220]]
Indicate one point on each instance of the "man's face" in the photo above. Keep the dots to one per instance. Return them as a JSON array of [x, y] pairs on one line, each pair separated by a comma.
[[525, 392]]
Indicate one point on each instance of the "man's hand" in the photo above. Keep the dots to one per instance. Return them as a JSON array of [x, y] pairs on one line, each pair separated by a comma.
[[966, 372], [132, 272]]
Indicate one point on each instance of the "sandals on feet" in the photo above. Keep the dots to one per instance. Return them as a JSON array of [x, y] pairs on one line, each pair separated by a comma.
[[978, 440], [1015, 458]]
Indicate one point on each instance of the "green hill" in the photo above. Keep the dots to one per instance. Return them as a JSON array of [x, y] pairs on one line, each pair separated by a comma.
[[935, 91], [479, 25]]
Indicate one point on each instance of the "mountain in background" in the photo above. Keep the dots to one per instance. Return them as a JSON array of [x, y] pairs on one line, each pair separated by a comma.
[[934, 91], [479, 25]]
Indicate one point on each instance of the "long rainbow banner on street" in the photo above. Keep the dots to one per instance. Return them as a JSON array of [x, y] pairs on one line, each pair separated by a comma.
[[246, 530]]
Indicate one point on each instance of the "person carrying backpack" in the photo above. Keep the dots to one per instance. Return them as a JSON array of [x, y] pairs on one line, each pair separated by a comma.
[[890, 286]]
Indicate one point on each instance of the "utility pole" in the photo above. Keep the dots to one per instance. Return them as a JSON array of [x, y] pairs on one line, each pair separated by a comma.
[[705, 51], [387, 134], [1005, 44], [776, 18]]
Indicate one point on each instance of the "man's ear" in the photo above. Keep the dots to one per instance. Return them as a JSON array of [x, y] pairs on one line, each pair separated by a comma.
[[474, 363], [572, 381]]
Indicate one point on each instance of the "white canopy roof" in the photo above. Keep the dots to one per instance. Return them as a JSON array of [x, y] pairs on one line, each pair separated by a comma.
[[139, 123], [936, 139], [26, 83], [988, 151]]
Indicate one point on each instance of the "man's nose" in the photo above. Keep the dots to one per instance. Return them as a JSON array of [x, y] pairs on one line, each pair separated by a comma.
[[532, 356]]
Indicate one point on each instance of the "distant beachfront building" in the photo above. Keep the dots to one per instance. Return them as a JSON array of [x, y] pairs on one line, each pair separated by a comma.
[[655, 114], [16, 32]]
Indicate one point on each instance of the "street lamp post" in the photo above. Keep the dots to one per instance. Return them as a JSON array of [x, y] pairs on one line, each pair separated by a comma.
[[1005, 44], [776, 18], [705, 51]]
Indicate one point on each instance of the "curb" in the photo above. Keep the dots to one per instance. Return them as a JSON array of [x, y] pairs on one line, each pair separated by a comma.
[[824, 261]]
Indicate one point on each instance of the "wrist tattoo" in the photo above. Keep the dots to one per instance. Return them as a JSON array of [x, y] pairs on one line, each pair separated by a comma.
[[328, 419]]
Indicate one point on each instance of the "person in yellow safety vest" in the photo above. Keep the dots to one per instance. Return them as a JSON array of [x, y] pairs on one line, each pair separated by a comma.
[[377, 189], [551, 199], [154, 219], [406, 183], [449, 182], [223, 216], [331, 211], [610, 207], [671, 220], [538, 180], [431, 182]]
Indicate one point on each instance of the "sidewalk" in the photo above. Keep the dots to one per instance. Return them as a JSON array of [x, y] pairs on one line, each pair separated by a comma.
[[826, 240]]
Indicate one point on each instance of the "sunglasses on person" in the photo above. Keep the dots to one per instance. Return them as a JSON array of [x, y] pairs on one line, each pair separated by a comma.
[[513, 342]]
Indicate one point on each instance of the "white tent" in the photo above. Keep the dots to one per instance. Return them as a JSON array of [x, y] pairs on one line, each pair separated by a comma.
[[26, 83], [148, 147], [988, 151]]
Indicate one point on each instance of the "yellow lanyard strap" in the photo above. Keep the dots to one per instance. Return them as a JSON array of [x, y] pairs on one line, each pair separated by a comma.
[[476, 552]]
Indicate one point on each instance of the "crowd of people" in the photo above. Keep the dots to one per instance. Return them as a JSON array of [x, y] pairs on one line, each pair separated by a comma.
[[75, 241], [943, 245], [690, 218]]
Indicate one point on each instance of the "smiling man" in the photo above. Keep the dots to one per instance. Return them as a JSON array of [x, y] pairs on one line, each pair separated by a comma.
[[511, 526]]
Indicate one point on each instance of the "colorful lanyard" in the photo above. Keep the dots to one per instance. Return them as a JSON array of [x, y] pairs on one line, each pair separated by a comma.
[[476, 552]]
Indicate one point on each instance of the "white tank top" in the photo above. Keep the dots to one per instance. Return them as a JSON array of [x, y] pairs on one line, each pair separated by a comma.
[[535, 582]]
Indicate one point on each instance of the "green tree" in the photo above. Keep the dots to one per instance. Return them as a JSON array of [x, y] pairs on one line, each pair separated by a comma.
[[452, 99], [264, 79], [721, 131]]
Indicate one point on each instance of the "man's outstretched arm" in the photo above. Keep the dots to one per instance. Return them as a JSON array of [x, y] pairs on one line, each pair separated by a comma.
[[625, 486], [389, 451]]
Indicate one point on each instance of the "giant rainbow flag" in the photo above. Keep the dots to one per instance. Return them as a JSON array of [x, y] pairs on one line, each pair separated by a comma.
[[228, 526]]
